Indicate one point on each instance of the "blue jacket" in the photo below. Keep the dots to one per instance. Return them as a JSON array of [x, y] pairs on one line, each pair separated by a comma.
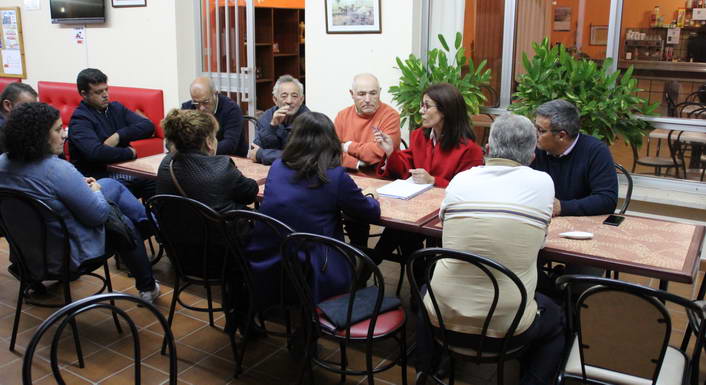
[[272, 139], [231, 136], [313, 210], [585, 180], [57, 183], [88, 129]]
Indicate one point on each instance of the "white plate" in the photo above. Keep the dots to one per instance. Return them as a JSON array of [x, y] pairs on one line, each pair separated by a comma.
[[576, 235]]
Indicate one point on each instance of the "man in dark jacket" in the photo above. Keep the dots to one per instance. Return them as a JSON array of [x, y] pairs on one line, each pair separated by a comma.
[[230, 135], [273, 127], [100, 132]]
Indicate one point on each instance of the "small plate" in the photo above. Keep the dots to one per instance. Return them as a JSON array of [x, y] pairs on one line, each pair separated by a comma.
[[576, 235]]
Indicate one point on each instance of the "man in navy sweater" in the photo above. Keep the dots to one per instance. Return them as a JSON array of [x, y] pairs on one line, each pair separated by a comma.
[[100, 132], [585, 181], [230, 135]]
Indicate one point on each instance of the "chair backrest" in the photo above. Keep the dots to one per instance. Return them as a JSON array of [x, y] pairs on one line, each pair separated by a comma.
[[66, 314], [628, 326], [27, 223], [193, 235], [4, 82], [671, 96], [296, 256], [494, 271], [240, 226], [628, 192]]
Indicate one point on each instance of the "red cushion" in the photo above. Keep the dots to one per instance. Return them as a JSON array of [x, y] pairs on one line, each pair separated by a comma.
[[147, 147], [4, 82], [62, 96], [386, 323]]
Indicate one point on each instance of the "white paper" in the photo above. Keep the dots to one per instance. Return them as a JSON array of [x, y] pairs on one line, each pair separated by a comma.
[[403, 189], [9, 19], [31, 5], [673, 35], [10, 40], [11, 62], [699, 14]]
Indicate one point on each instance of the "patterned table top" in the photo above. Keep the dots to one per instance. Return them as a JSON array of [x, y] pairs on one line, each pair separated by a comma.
[[650, 247]]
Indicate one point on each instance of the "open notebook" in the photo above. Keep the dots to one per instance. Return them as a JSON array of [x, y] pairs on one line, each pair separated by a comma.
[[403, 189]]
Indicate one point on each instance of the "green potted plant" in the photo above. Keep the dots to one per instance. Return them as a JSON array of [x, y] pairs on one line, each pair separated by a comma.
[[608, 102], [441, 66]]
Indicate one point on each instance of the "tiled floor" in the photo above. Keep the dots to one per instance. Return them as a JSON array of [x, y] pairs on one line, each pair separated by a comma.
[[204, 354]]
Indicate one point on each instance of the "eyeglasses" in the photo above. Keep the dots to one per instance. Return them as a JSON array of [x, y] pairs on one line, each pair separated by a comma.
[[542, 131], [206, 102], [426, 106]]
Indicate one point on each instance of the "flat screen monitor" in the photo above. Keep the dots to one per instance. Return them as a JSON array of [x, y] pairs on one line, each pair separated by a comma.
[[77, 11]]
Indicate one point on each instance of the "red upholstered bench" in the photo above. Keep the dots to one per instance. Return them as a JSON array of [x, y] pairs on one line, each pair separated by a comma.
[[65, 98], [5, 81]]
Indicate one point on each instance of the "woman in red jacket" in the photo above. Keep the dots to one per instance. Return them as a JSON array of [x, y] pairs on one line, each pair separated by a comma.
[[440, 149]]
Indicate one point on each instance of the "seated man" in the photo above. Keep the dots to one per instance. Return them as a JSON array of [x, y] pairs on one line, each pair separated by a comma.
[[14, 95], [230, 135], [274, 125], [508, 205], [100, 132], [585, 181], [355, 124]]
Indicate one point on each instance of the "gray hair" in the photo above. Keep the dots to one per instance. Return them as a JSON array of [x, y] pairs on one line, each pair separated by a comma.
[[287, 79], [562, 115], [512, 137]]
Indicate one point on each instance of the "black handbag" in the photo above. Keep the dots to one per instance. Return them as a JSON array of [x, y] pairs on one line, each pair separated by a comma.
[[118, 233]]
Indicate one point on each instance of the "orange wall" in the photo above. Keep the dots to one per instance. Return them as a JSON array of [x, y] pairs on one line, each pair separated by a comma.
[[596, 13], [636, 13], [469, 27], [566, 38]]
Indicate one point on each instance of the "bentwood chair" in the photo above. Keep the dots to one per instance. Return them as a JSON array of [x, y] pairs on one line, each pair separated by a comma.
[[27, 223], [195, 240], [628, 191], [68, 314], [357, 316], [497, 275], [241, 226], [619, 334]]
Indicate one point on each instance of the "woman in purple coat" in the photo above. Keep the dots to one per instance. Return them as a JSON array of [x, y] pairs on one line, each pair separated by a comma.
[[307, 189]]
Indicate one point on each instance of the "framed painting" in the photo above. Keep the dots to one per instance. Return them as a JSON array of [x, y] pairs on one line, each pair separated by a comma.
[[353, 16]]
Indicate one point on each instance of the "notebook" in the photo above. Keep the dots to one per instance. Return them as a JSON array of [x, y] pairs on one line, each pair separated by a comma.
[[403, 189]]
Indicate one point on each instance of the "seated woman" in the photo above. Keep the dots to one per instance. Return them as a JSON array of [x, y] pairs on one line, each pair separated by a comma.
[[34, 139], [440, 149], [307, 189]]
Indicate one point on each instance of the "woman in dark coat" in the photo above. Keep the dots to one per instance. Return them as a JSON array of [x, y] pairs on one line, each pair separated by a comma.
[[307, 189]]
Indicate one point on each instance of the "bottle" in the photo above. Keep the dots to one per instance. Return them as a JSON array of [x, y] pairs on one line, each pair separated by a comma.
[[689, 4]]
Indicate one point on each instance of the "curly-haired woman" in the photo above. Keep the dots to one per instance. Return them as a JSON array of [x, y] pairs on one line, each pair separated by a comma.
[[33, 139]]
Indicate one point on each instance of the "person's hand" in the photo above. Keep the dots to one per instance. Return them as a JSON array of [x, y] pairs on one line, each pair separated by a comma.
[[134, 152], [142, 114], [421, 176], [93, 185], [279, 115], [372, 191], [112, 140], [384, 141], [556, 210], [252, 153], [89, 180]]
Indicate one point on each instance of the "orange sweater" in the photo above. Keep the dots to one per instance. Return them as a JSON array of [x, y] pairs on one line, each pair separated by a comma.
[[359, 130]]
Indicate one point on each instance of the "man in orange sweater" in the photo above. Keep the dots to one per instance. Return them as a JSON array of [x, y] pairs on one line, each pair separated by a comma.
[[354, 124]]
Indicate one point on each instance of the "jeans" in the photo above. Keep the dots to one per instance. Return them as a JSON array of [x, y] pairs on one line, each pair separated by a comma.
[[544, 340], [140, 187]]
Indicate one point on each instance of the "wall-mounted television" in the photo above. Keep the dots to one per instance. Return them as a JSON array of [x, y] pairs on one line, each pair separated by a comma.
[[77, 11]]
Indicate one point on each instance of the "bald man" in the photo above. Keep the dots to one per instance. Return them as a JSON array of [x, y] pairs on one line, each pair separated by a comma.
[[231, 136], [355, 125]]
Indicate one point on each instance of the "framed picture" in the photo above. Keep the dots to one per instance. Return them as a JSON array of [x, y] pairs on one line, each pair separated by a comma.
[[562, 19], [129, 3], [599, 35], [353, 16]]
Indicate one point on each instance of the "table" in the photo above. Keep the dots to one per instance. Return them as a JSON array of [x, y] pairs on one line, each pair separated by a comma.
[[648, 247]]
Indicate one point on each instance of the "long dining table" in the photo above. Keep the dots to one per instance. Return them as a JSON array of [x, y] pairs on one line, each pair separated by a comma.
[[668, 251]]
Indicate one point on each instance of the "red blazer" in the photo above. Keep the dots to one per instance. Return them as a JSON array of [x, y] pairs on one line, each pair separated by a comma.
[[442, 165]]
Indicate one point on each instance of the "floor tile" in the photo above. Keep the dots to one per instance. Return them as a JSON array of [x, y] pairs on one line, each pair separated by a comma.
[[101, 365]]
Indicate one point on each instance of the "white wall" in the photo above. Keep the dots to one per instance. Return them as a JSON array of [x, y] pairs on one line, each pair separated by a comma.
[[333, 59], [148, 47]]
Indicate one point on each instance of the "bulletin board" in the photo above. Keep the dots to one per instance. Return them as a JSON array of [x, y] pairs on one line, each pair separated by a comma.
[[12, 49]]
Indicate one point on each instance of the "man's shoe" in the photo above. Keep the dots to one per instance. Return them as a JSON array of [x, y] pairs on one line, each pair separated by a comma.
[[150, 296]]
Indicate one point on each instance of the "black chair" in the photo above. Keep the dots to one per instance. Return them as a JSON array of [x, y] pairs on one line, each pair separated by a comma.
[[240, 225], [68, 313], [196, 244], [376, 327], [619, 333], [675, 159], [29, 226], [492, 270], [628, 192]]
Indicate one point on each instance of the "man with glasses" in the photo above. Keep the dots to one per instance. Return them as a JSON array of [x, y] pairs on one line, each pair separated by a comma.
[[355, 125], [230, 135], [581, 166], [273, 127]]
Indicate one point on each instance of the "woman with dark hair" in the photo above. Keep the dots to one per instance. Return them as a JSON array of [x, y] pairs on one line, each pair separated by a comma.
[[440, 149], [34, 139], [307, 189]]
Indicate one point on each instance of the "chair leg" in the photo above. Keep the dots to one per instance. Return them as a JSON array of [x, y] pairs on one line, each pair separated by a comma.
[[452, 370], [699, 297], [344, 361], [109, 285], [74, 327], [209, 300], [172, 307], [234, 348], [246, 336], [18, 312], [403, 354], [401, 279], [501, 372]]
